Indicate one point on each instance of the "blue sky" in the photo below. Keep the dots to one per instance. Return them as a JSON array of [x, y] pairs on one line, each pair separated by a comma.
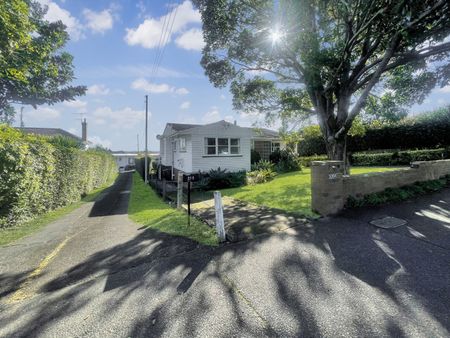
[[114, 46]]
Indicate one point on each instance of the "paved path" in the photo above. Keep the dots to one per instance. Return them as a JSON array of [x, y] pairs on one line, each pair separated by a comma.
[[334, 278], [244, 220]]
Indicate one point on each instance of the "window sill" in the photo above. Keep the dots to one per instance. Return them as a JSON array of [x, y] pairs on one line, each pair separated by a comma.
[[236, 155]]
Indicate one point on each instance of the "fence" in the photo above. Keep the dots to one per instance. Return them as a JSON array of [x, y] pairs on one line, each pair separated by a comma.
[[330, 188]]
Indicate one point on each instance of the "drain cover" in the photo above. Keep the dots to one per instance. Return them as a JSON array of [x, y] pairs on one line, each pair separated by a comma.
[[388, 222]]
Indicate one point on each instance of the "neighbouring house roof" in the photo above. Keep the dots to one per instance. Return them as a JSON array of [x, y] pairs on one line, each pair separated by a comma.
[[264, 133], [49, 132]]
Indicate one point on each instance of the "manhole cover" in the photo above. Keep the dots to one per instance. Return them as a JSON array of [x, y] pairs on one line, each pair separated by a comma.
[[388, 222]]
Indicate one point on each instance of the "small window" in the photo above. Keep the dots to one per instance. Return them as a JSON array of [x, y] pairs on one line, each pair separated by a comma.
[[275, 146], [182, 144], [235, 147], [210, 146], [130, 160], [174, 145], [223, 146]]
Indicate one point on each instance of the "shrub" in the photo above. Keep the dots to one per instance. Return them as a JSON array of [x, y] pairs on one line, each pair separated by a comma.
[[399, 194], [263, 164], [255, 157], [305, 161], [430, 130], [38, 174], [399, 157], [217, 179], [260, 176], [285, 160]]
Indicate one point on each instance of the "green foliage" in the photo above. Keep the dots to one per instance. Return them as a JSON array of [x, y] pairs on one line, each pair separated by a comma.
[[398, 194], [218, 178], [261, 175], [305, 161], [285, 160], [148, 209], [292, 59], [263, 164], [33, 68], [38, 174], [398, 157], [429, 130], [254, 156]]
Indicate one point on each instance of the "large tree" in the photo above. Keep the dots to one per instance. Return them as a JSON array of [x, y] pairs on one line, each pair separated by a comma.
[[326, 58], [33, 68]]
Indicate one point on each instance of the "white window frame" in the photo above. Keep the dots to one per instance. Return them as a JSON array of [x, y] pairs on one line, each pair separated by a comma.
[[278, 145], [216, 146], [174, 145], [182, 144]]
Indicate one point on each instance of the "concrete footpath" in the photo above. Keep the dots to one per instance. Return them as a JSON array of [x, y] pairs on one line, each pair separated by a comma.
[[334, 278]]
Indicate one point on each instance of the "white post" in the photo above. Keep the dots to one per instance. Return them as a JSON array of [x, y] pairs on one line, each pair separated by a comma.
[[180, 190], [220, 226]]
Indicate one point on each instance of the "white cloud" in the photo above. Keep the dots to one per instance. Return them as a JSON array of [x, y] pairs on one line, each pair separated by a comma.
[[98, 90], [223, 97], [212, 116], [144, 85], [191, 40], [126, 118], [229, 118], [185, 105], [99, 22], [445, 89], [41, 113], [78, 104], [56, 13], [182, 91], [96, 140], [148, 33]]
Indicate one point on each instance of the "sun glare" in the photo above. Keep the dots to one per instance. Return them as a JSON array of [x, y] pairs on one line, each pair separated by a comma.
[[276, 36]]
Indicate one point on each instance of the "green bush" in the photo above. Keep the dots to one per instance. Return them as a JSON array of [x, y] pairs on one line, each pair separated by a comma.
[[263, 164], [260, 176], [218, 178], [398, 157], [38, 174], [255, 157], [285, 160], [427, 131], [390, 195], [305, 161]]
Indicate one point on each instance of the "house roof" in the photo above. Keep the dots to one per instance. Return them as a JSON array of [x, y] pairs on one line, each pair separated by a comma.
[[50, 132], [182, 126], [256, 132]]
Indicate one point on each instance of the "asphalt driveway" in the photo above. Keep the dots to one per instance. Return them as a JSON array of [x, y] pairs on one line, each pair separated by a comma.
[[332, 278]]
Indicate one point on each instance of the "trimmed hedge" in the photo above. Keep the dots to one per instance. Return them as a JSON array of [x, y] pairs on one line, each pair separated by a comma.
[[431, 130], [305, 161], [399, 157], [38, 174]]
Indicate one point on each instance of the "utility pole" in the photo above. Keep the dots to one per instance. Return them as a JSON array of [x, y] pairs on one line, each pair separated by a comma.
[[146, 132], [22, 125]]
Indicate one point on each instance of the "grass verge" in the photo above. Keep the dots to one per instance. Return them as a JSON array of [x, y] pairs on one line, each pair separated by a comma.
[[148, 209], [9, 235]]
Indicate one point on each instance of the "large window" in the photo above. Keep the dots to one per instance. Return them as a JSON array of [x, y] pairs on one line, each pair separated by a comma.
[[222, 146]]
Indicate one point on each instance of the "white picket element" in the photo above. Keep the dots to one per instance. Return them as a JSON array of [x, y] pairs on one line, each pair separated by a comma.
[[220, 226]]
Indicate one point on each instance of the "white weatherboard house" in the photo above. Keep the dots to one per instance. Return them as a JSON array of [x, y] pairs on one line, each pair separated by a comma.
[[191, 148]]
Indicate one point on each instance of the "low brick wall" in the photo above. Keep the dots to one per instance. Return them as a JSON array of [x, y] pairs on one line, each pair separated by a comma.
[[330, 188]]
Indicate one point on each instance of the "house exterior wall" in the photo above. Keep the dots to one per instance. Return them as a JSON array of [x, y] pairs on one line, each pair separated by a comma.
[[123, 160], [202, 162], [183, 159]]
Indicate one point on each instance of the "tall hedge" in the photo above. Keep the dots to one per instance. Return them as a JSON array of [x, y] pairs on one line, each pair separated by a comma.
[[430, 130], [38, 174]]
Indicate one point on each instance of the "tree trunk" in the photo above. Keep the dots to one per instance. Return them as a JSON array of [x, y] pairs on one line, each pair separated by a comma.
[[336, 149]]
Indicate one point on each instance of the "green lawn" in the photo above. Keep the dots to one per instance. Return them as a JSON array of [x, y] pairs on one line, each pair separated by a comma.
[[12, 234], [148, 209], [290, 191]]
